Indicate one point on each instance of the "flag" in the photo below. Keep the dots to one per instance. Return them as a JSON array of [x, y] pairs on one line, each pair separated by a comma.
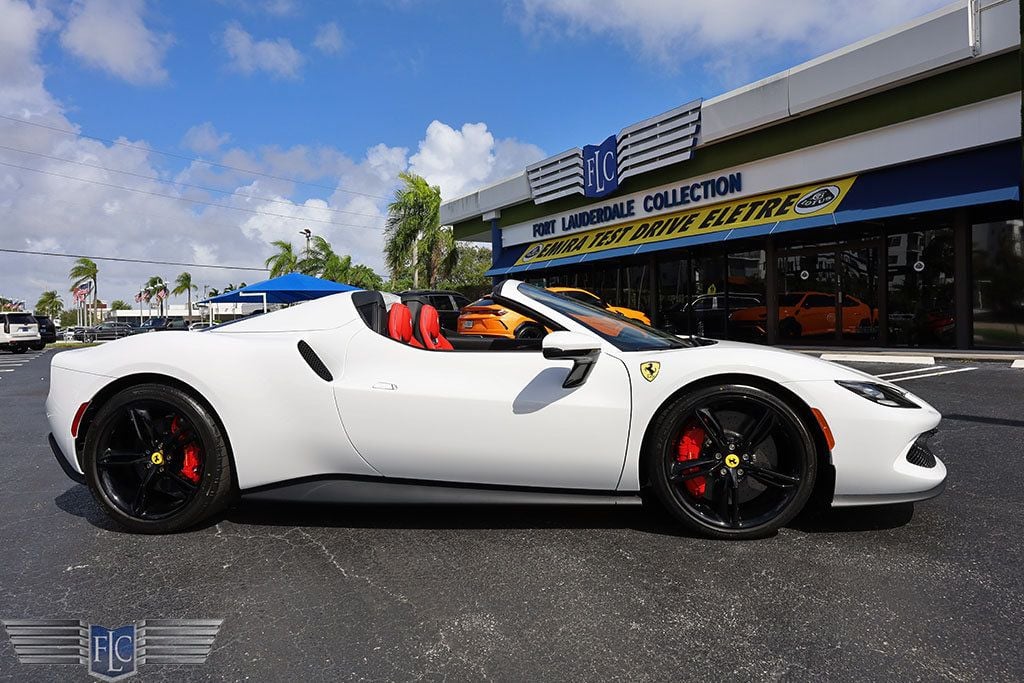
[[138, 297]]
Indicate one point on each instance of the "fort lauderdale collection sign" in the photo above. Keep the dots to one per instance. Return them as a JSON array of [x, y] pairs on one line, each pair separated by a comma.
[[800, 202]]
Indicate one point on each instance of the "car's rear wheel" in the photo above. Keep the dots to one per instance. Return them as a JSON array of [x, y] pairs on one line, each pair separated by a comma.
[[156, 460], [732, 461], [18, 348]]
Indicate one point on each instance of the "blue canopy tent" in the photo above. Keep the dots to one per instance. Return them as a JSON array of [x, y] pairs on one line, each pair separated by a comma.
[[287, 289]]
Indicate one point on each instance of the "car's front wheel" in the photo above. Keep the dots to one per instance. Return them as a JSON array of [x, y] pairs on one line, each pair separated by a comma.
[[732, 461], [156, 460]]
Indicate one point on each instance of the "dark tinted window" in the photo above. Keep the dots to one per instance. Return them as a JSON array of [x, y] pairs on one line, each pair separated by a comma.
[[820, 301], [21, 319], [790, 300], [441, 302], [460, 301]]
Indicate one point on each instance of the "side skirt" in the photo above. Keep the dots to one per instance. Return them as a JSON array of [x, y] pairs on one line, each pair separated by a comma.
[[380, 491]]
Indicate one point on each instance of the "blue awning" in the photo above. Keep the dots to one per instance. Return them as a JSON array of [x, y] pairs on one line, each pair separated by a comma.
[[983, 176], [287, 289]]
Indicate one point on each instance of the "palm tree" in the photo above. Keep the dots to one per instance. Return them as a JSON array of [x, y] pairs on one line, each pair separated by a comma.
[[156, 286], [284, 261], [183, 285], [50, 304], [413, 232], [213, 291], [363, 276], [85, 270], [119, 305], [322, 261]]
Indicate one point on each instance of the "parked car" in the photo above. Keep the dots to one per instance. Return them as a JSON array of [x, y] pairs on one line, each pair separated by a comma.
[[196, 327], [106, 331], [810, 314], [151, 325], [484, 317], [19, 332], [47, 331], [705, 315], [73, 333], [730, 439], [180, 325], [448, 304]]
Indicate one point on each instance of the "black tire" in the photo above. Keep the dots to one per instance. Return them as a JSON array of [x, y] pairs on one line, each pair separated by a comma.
[[530, 331], [737, 493], [790, 329], [18, 348], [120, 460], [38, 346]]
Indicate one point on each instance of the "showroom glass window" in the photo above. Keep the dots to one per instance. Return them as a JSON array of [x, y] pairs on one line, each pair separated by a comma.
[[708, 305], [636, 288], [746, 285], [919, 265], [998, 296], [673, 295]]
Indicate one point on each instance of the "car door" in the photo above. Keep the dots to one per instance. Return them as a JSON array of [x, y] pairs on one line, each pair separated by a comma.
[[488, 417]]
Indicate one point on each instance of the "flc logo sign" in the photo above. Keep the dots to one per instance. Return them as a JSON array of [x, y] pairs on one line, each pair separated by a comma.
[[601, 168]]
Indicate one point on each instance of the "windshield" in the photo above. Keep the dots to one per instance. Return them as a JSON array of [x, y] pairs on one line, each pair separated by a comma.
[[624, 333]]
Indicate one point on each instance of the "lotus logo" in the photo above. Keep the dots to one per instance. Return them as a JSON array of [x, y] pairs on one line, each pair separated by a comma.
[[532, 253], [817, 199]]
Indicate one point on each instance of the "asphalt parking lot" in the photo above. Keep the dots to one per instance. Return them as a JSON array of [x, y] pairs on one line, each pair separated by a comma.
[[925, 592]]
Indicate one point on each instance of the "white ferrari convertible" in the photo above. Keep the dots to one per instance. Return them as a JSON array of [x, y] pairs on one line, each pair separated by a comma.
[[346, 399]]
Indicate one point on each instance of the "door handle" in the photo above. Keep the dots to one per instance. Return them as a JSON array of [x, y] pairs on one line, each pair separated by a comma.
[[385, 386]]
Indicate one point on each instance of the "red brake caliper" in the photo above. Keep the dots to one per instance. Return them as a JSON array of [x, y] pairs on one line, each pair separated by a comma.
[[190, 465], [689, 449]]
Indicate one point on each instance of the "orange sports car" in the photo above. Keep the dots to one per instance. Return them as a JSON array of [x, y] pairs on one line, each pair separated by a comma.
[[486, 318], [808, 314]]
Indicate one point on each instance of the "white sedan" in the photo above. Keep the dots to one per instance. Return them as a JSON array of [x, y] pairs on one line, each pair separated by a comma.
[[349, 399]]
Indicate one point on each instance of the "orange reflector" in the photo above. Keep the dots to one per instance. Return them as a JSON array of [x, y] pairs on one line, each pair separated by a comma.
[[829, 439], [78, 419]]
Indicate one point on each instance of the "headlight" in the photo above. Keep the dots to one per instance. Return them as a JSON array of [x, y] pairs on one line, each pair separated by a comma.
[[879, 393]]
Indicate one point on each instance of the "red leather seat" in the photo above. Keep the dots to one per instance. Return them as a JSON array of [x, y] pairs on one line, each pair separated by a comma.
[[429, 326], [400, 325]]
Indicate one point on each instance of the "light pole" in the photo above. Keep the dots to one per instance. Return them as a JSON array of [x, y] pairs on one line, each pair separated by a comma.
[[308, 234]]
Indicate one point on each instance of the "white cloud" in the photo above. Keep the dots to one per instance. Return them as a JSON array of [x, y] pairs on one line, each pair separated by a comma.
[[673, 32], [462, 160], [111, 35], [204, 138], [276, 57], [329, 39], [279, 7], [46, 212]]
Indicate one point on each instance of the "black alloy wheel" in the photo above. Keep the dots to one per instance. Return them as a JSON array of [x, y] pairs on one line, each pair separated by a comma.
[[732, 461], [156, 460]]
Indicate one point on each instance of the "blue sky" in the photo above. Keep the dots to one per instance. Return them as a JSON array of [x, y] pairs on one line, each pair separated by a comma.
[[339, 96]]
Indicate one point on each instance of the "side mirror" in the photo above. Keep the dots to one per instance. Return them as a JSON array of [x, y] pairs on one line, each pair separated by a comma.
[[581, 349]]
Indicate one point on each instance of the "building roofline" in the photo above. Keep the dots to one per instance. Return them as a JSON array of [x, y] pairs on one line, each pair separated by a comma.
[[936, 41]]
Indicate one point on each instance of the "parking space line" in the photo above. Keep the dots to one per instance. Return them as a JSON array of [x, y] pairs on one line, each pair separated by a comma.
[[908, 372], [932, 374], [873, 358]]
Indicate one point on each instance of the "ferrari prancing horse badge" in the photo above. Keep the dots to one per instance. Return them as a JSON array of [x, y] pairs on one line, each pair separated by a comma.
[[650, 370]]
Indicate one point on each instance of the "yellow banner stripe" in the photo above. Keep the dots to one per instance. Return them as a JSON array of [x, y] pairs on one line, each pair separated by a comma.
[[800, 202]]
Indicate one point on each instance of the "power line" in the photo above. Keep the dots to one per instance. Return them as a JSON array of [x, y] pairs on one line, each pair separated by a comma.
[[193, 201], [128, 260], [182, 183], [185, 157]]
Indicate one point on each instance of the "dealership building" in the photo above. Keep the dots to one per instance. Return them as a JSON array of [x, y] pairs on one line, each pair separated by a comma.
[[870, 197]]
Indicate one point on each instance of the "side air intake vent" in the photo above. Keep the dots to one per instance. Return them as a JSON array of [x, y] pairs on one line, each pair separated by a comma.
[[314, 362]]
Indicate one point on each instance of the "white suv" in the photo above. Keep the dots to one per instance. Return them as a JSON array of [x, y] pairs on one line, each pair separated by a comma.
[[18, 331]]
